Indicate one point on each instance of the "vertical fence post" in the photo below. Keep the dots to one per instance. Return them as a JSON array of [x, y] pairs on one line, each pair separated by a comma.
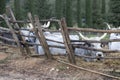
[[67, 42], [40, 36], [17, 26]]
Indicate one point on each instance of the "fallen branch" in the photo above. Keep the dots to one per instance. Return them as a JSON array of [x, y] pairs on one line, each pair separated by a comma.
[[88, 70]]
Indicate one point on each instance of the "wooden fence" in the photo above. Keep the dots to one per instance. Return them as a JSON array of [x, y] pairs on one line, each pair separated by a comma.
[[12, 24]]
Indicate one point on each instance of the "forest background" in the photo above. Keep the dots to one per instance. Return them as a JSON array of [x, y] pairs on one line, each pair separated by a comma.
[[79, 13]]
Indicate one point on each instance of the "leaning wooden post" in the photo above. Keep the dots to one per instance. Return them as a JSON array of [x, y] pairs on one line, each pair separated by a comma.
[[42, 39], [13, 33], [40, 36], [12, 16], [17, 26], [67, 42]]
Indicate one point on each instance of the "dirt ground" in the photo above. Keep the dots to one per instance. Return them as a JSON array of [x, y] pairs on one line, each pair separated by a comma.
[[15, 67]]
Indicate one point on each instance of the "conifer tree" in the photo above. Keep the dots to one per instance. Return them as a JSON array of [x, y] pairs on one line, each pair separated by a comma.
[[59, 9], [42, 9], [89, 13], [115, 12], [103, 11], [2, 6], [29, 7], [79, 13], [2, 11], [69, 13], [96, 14], [17, 9]]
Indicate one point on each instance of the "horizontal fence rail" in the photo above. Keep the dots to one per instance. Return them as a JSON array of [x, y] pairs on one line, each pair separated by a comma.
[[93, 30], [27, 21]]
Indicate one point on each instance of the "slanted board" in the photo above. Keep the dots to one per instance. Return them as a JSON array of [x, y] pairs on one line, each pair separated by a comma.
[[69, 48], [13, 33], [40, 36], [17, 26], [42, 39]]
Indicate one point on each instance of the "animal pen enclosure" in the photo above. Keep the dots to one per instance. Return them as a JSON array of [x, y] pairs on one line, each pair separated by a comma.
[[12, 24]]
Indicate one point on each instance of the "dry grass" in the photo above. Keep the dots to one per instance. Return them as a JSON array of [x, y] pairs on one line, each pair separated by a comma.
[[42, 69]]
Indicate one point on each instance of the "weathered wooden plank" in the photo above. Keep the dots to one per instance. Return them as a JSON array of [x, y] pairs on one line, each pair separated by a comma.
[[94, 41], [93, 30], [5, 29], [12, 16], [42, 39], [17, 26], [90, 57], [69, 48], [7, 39], [13, 33], [21, 21], [8, 45], [40, 36]]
